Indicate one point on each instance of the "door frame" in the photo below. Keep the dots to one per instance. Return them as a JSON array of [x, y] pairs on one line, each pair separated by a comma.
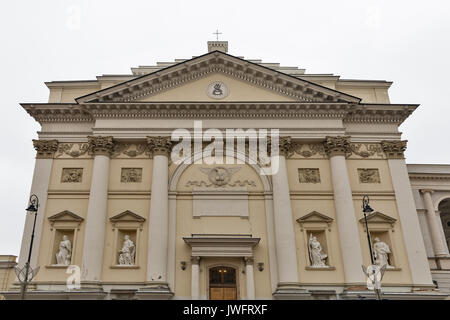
[[238, 269]]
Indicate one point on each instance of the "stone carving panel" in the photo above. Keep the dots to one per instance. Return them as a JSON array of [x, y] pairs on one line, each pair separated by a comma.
[[73, 150], [131, 175], [366, 150], [220, 177], [369, 176], [316, 150], [71, 175], [130, 150], [308, 175]]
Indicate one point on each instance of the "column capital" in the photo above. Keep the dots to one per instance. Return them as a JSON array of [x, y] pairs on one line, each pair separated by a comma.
[[339, 145], [394, 149], [45, 148], [195, 260], [423, 191], [101, 145], [159, 145], [249, 260]]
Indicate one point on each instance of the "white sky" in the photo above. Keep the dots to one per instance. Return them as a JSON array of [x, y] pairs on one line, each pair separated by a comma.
[[402, 41]]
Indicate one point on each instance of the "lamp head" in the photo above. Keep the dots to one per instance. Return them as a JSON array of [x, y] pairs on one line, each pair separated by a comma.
[[365, 206], [34, 204]]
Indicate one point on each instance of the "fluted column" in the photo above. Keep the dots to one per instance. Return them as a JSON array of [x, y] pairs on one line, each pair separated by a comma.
[[41, 180], [195, 278], [250, 278], [94, 235], [283, 220], [412, 234], [337, 147], [159, 213], [439, 247]]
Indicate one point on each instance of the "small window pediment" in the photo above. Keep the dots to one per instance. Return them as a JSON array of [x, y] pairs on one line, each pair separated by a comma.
[[314, 217], [65, 216], [127, 216], [378, 217], [379, 220]]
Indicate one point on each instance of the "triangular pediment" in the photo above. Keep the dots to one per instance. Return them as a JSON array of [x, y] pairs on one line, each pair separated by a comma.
[[253, 80], [378, 217], [127, 216], [65, 216], [314, 216]]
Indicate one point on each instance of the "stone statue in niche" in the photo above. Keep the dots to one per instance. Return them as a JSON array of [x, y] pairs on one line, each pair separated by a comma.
[[369, 176], [71, 175], [131, 175], [127, 253], [308, 175], [316, 255], [65, 252], [381, 253]]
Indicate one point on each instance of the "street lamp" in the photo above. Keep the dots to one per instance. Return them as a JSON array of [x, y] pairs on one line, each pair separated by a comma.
[[367, 209], [374, 270], [26, 274]]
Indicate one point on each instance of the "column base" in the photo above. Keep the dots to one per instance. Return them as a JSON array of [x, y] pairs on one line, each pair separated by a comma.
[[291, 290], [154, 290], [90, 286]]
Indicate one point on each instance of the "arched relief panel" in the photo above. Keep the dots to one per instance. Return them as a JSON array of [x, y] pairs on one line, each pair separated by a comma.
[[186, 176], [256, 191]]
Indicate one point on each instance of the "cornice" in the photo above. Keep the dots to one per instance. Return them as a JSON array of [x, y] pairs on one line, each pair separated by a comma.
[[355, 113], [380, 113], [430, 176]]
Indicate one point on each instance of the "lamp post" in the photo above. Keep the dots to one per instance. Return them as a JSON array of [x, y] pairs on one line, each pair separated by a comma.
[[367, 209], [373, 268], [27, 273]]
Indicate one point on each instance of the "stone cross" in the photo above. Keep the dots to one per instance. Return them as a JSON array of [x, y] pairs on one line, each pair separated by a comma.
[[217, 34]]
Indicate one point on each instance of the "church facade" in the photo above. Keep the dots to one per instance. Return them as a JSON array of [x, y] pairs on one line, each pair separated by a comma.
[[122, 218]]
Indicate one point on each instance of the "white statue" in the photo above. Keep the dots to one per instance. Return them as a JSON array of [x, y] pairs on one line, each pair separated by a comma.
[[381, 253], [127, 253], [316, 255], [65, 252]]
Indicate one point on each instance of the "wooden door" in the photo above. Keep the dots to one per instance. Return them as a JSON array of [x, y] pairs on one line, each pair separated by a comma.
[[222, 283]]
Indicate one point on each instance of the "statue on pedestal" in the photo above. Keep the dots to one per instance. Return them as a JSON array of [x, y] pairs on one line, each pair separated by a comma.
[[65, 252], [128, 252], [316, 255], [381, 253]]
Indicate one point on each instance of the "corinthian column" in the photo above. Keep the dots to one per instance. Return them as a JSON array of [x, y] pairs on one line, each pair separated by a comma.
[[159, 213], [337, 147], [283, 220], [439, 247], [94, 235], [415, 248], [41, 179]]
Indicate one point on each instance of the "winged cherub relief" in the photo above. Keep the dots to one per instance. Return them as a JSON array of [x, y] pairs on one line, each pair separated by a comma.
[[219, 177]]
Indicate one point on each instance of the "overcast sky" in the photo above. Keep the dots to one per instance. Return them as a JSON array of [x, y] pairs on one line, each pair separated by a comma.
[[406, 42]]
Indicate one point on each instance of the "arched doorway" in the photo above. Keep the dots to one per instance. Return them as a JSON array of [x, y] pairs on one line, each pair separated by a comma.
[[444, 208], [222, 283]]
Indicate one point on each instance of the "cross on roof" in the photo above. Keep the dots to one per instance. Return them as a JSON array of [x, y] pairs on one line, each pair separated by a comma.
[[217, 34]]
